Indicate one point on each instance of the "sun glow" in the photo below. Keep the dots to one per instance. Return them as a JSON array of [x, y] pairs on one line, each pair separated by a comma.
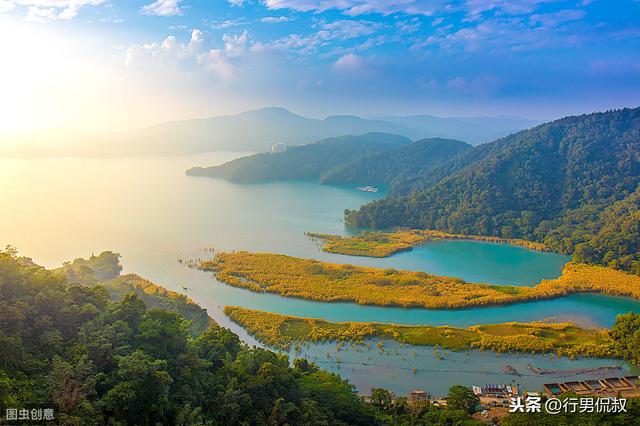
[[47, 81], [59, 86]]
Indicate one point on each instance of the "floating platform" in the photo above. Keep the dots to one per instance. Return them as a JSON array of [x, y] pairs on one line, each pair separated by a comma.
[[594, 386]]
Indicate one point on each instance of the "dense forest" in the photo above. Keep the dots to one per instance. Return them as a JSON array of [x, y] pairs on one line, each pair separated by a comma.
[[373, 158], [571, 184], [389, 167], [104, 270]]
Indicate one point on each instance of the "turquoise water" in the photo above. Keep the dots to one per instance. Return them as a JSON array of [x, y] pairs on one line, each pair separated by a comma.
[[474, 261], [147, 209]]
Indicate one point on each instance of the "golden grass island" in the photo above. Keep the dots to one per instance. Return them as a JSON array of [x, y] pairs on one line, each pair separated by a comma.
[[385, 244], [327, 282], [536, 337]]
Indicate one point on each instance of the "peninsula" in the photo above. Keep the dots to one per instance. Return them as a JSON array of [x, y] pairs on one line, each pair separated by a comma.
[[385, 244], [536, 337], [327, 282]]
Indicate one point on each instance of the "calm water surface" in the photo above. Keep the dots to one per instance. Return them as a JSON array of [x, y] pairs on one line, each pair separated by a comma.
[[147, 209], [393, 367]]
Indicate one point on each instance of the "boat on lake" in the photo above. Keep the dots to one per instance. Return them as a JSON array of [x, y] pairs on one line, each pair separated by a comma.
[[368, 188]]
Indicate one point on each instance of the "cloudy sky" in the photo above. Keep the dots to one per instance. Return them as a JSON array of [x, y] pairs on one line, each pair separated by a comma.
[[101, 65]]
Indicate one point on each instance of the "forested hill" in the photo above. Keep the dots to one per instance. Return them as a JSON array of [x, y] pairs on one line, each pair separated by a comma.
[[388, 167], [373, 158], [571, 183], [303, 162], [104, 271]]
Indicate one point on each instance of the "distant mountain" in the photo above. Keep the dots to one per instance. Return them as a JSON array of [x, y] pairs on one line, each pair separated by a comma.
[[571, 183], [255, 130], [306, 162], [259, 129], [474, 130]]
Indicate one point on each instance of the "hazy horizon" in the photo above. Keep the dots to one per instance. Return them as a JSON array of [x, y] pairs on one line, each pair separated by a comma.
[[380, 116]]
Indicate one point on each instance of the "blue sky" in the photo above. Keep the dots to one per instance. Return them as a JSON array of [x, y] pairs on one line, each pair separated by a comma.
[[156, 60]]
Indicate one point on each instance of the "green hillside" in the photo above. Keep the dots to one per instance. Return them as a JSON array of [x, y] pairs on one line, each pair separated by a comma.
[[373, 158], [571, 184], [388, 167], [306, 162], [104, 270]]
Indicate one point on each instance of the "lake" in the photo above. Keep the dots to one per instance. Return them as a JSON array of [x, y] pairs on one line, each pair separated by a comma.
[[55, 210]]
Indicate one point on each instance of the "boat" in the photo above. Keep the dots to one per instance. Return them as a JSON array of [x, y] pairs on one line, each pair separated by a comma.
[[368, 188]]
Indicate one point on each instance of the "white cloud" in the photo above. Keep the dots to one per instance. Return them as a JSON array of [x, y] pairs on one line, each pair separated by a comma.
[[473, 8], [227, 23], [237, 3], [173, 54], [234, 45], [6, 6], [346, 29], [476, 8], [326, 33], [197, 37], [163, 8], [495, 25], [360, 7], [350, 63], [275, 19], [214, 60], [408, 26], [506, 33], [167, 51], [48, 10], [556, 18]]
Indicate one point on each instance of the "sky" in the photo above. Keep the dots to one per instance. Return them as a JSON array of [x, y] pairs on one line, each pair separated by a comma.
[[108, 65]]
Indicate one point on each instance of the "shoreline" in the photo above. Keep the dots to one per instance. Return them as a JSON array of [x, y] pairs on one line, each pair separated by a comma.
[[380, 244]]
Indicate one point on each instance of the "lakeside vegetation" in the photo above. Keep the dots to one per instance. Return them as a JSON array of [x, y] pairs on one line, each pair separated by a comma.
[[385, 244], [536, 337], [104, 270], [327, 282]]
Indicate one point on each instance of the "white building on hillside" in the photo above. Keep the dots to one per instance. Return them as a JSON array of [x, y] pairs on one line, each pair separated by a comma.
[[278, 147]]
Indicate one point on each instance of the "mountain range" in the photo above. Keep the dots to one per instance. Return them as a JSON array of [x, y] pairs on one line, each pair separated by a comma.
[[257, 131]]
